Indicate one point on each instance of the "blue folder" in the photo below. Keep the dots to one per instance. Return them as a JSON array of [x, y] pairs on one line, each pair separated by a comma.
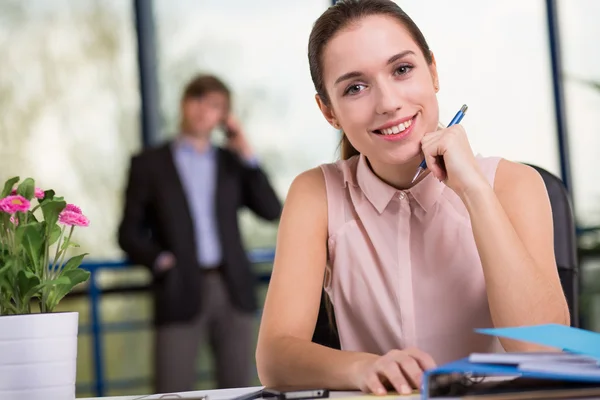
[[566, 338]]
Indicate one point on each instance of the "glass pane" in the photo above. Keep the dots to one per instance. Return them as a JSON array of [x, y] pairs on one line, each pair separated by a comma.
[[579, 31], [69, 105], [259, 49], [69, 109], [494, 58]]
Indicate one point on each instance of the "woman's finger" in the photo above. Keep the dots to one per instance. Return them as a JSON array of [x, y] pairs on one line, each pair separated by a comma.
[[374, 385], [430, 137], [394, 375], [425, 360], [412, 372], [434, 160]]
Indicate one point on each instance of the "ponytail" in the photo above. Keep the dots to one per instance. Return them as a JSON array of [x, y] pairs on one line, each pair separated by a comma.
[[347, 150]]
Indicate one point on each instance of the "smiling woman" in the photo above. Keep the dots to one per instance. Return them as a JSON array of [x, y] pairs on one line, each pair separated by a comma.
[[411, 269]]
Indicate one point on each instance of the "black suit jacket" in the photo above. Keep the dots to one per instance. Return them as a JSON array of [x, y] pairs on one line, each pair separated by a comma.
[[157, 218]]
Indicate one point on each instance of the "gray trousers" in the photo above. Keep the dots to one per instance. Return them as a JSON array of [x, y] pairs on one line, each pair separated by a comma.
[[230, 333]]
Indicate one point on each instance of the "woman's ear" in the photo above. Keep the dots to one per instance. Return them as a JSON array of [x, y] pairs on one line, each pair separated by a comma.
[[327, 112], [434, 73]]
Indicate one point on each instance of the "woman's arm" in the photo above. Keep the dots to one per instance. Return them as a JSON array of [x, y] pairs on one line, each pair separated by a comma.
[[285, 355], [512, 225]]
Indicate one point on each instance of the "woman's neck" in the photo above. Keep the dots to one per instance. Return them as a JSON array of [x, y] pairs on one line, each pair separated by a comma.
[[399, 176]]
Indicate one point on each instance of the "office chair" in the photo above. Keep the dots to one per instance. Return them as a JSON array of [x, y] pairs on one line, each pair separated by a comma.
[[565, 250]]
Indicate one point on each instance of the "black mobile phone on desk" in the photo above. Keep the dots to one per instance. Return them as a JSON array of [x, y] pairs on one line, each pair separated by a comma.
[[291, 393]]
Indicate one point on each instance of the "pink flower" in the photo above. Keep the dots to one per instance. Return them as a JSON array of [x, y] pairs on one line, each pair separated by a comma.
[[39, 193], [14, 220], [73, 208], [72, 218], [12, 204]]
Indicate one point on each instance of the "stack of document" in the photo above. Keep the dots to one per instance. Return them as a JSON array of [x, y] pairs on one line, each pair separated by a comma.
[[556, 362], [573, 371]]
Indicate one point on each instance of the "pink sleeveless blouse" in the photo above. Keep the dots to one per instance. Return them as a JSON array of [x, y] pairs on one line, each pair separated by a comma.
[[403, 269]]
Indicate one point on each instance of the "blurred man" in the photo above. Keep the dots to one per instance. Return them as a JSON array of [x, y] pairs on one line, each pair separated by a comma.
[[180, 220]]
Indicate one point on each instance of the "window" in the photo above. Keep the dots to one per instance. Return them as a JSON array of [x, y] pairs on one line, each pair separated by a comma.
[[69, 117], [494, 57], [259, 48], [69, 105], [581, 62]]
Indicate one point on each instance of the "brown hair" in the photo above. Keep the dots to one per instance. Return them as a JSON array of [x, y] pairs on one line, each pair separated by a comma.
[[200, 86], [203, 84], [338, 17]]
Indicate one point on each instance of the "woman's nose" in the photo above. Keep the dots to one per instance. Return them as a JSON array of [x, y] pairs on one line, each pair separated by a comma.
[[388, 100]]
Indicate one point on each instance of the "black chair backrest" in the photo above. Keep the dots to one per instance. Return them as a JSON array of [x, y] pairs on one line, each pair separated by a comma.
[[565, 250], [565, 242]]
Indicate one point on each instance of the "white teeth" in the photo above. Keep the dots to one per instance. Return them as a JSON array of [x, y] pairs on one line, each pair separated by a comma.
[[397, 129]]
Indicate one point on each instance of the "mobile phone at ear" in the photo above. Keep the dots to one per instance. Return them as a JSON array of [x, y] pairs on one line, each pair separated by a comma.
[[228, 132], [287, 393]]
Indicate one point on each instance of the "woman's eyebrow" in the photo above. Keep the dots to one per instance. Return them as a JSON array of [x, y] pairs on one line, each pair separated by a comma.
[[356, 74]]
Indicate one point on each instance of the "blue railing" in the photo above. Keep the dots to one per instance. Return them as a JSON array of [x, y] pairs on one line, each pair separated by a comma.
[[97, 328]]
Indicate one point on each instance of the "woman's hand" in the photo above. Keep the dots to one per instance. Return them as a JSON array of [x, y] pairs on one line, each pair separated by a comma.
[[450, 159], [400, 369]]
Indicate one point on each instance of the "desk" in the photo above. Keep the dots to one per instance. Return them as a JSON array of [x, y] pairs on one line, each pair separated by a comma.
[[226, 394]]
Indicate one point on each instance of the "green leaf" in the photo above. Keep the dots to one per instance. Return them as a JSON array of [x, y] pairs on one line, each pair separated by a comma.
[[74, 277], [31, 217], [77, 276], [63, 280], [21, 217], [32, 237], [8, 186], [10, 307], [68, 244], [36, 291], [48, 196], [6, 266], [74, 262], [28, 285], [54, 234], [10, 268], [27, 188], [51, 209]]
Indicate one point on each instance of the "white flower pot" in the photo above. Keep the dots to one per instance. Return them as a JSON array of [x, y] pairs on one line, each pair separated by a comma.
[[38, 356]]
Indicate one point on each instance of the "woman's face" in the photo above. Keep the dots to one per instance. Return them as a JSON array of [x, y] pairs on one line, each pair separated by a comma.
[[382, 91]]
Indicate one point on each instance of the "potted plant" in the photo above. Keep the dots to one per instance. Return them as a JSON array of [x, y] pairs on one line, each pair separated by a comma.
[[38, 347]]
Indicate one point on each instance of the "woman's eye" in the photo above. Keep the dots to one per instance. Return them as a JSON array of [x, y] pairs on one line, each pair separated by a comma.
[[354, 89], [403, 69]]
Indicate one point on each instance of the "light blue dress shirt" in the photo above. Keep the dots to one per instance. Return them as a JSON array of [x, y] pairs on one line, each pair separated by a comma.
[[198, 175]]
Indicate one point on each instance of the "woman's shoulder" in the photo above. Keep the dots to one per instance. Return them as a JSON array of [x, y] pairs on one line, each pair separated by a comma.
[[325, 175], [502, 172], [324, 183], [489, 166], [511, 176], [340, 172]]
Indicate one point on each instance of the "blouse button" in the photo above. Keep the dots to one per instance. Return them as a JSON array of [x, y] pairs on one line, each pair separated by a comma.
[[401, 195]]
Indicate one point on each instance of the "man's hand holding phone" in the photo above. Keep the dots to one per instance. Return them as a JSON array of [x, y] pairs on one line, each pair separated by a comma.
[[236, 138]]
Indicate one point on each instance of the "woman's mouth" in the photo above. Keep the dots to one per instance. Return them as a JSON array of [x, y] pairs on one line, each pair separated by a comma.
[[398, 131]]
